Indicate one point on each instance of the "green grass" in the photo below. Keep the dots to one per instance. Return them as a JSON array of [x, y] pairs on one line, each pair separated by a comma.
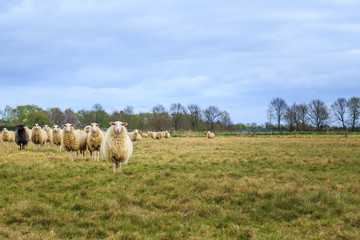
[[187, 188]]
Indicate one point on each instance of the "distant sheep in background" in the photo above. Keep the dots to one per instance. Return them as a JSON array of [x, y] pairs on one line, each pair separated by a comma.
[[144, 135], [71, 140], [167, 134], [38, 136], [8, 136], [135, 136], [21, 136], [57, 137], [210, 135], [116, 146], [94, 140]]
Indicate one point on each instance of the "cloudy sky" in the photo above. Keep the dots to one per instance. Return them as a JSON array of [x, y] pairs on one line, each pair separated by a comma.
[[236, 55]]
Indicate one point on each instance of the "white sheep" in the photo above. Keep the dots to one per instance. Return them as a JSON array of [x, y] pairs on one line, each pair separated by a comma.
[[94, 140], [135, 136], [167, 134], [38, 136], [144, 135], [87, 129], [158, 135], [57, 137], [83, 138], [116, 146], [149, 134], [153, 134], [210, 135], [8, 136], [48, 133], [71, 140]]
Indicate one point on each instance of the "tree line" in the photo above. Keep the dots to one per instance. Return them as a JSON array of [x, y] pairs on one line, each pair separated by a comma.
[[178, 117], [315, 115]]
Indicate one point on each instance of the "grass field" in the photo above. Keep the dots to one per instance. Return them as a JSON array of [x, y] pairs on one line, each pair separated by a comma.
[[187, 188]]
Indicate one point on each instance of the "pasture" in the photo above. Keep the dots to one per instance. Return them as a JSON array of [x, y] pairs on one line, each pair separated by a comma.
[[187, 188]]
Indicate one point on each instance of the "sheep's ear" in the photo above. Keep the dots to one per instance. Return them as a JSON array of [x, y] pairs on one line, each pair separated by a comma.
[[112, 123], [72, 125], [124, 123], [98, 124], [89, 124], [63, 125]]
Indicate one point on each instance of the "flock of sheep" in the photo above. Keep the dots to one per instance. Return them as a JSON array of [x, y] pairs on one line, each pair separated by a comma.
[[115, 144]]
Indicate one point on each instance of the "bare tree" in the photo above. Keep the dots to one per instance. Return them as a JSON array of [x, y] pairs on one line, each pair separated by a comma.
[[56, 116], [70, 117], [303, 113], [225, 120], [339, 110], [158, 110], [211, 115], [177, 112], [293, 116], [279, 107], [194, 115], [270, 115], [354, 111], [318, 113]]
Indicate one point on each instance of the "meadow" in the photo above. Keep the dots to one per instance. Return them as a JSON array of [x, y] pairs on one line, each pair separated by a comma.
[[277, 187]]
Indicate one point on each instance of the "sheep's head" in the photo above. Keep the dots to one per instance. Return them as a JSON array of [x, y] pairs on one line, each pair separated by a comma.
[[21, 127], [5, 130], [94, 126], [36, 125], [87, 128], [136, 131], [68, 127], [118, 125], [55, 128]]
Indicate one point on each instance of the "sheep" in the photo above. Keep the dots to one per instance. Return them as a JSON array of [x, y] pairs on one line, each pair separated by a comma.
[[1, 137], [57, 137], [8, 136], [158, 135], [149, 134], [167, 134], [94, 140], [83, 138], [48, 133], [210, 135], [28, 132], [144, 135], [153, 135], [135, 136], [117, 146], [71, 140], [21, 136], [38, 136], [87, 129]]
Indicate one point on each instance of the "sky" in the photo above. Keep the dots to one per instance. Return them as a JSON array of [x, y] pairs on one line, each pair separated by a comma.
[[236, 55]]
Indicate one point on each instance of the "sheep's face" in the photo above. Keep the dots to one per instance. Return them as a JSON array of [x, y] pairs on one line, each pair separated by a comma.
[[94, 126], [21, 128], [5, 130], [68, 127], [118, 126], [55, 128], [36, 125]]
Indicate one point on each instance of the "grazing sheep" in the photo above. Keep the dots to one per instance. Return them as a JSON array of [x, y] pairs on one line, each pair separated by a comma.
[[149, 134], [167, 134], [116, 146], [210, 135], [71, 140], [153, 135], [94, 140], [48, 133], [57, 137], [135, 136], [21, 136], [38, 136], [158, 135], [8, 136], [144, 135]]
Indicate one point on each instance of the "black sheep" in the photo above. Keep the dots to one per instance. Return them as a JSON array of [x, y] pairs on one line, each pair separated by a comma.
[[21, 136]]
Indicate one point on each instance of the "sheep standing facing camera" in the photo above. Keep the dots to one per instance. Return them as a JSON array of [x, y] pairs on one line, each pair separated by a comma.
[[116, 146]]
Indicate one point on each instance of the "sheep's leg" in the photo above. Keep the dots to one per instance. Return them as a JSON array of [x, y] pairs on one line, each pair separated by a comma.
[[77, 155], [69, 156], [98, 157], [60, 148], [119, 168], [114, 169]]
